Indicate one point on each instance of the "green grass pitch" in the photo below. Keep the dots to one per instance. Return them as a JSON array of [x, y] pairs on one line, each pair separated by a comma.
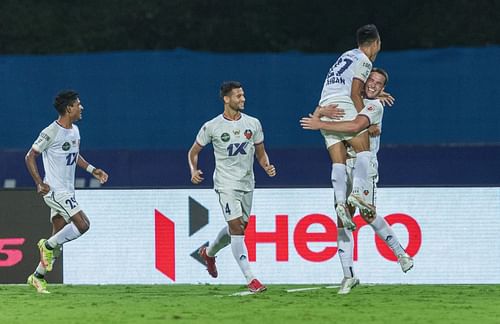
[[217, 304]]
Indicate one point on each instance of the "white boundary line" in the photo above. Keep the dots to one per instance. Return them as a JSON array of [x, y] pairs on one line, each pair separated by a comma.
[[302, 289], [242, 293], [246, 293]]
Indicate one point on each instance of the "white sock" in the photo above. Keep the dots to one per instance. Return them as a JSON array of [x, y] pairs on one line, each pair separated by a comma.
[[360, 172], [386, 233], [339, 182], [345, 244], [221, 241], [241, 256], [68, 233], [40, 269]]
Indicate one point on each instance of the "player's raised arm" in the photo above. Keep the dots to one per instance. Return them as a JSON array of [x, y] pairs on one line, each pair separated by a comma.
[[196, 174], [99, 174]]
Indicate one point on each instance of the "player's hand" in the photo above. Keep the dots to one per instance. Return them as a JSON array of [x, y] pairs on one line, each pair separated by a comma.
[[42, 189], [196, 176], [386, 99], [270, 170], [312, 122], [374, 130], [100, 175], [331, 111]]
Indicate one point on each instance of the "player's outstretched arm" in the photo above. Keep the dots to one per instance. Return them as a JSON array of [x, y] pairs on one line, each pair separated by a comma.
[[30, 159], [99, 174], [313, 122], [263, 159], [196, 174], [354, 126]]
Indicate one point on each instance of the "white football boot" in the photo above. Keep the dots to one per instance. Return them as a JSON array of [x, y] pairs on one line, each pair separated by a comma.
[[347, 284]]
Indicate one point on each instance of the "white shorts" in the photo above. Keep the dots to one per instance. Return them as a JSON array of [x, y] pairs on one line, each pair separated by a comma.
[[370, 192], [235, 203], [62, 203], [332, 138]]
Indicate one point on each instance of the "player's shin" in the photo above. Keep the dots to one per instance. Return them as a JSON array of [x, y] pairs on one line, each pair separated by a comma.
[[360, 172], [386, 233], [346, 247], [241, 256], [40, 271], [68, 233], [339, 182], [222, 240]]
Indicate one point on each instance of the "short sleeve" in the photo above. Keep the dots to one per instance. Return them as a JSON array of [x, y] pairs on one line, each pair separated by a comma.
[[45, 138], [362, 69], [259, 133], [373, 110], [204, 136]]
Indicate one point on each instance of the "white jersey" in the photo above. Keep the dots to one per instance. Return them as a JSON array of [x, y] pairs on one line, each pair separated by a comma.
[[59, 147], [234, 149], [353, 64], [374, 110]]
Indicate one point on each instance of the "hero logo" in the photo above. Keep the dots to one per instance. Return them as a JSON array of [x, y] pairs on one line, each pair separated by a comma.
[[198, 217], [12, 256]]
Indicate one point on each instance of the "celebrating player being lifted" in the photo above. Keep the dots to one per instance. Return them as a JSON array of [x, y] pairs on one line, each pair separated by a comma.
[[59, 144], [370, 115], [236, 138], [343, 86]]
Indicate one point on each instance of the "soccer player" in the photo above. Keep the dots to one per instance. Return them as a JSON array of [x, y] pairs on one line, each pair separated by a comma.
[[343, 86], [59, 144], [371, 114], [236, 138]]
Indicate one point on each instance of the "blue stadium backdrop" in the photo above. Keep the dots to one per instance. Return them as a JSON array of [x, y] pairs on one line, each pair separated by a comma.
[[143, 110]]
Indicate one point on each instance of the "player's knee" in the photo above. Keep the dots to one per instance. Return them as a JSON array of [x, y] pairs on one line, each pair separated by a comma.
[[82, 224], [83, 227], [369, 218], [236, 228]]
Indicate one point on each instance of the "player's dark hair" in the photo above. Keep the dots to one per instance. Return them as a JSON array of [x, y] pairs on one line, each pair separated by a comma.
[[64, 99], [383, 72], [227, 87], [367, 34]]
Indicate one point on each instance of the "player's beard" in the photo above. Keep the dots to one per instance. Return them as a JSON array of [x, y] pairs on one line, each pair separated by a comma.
[[237, 108], [240, 108]]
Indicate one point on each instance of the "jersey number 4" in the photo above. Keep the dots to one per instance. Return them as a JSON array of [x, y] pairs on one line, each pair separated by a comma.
[[71, 158]]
